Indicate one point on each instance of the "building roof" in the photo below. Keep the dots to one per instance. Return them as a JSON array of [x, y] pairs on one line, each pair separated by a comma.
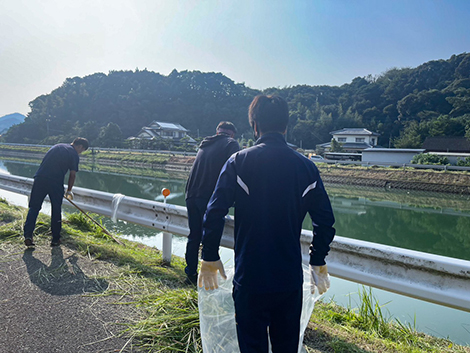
[[349, 145], [446, 144], [452, 154], [147, 130], [354, 131], [166, 126], [395, 150]]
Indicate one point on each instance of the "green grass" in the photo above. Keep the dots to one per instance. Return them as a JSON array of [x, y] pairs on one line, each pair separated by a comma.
[[34, 149], [366, 328], [146, 172], [168, 319], [140, 157]]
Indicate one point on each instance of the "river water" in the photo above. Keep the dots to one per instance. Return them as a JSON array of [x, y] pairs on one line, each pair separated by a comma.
[[427, 222]]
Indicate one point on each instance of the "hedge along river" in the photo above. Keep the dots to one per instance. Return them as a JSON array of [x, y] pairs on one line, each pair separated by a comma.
[[427, 222]]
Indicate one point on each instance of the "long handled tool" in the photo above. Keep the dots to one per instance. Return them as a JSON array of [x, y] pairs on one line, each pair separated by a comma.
[[99, 225]]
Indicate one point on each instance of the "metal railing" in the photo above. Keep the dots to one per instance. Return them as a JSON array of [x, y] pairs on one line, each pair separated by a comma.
[[433, 278]]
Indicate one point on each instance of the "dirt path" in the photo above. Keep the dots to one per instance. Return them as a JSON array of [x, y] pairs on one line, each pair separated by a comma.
[[50, 302]]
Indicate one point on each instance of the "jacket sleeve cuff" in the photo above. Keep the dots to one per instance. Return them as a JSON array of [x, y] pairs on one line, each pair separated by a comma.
[[317, 260], [208, 255]]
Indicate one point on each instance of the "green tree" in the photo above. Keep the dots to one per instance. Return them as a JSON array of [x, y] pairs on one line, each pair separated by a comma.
[[110, 136], [426, 158], [410, 137], [336, 146]]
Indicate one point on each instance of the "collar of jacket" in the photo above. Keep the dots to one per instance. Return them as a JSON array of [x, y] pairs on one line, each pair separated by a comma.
[[276, 137]]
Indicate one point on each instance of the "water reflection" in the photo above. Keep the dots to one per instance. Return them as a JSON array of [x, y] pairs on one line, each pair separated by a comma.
[[423, 229]]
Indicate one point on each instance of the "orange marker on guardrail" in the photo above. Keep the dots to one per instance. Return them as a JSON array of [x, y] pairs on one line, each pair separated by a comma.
[[167, 237], [165, 192]]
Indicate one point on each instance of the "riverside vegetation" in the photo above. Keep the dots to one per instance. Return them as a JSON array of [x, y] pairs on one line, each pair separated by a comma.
[[168, 315]]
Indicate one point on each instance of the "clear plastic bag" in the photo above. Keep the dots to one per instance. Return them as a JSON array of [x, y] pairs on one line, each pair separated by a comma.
[[217, 315]]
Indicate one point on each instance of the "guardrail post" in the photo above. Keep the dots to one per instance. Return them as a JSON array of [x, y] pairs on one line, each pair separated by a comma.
[[167, 242], [167, 237]]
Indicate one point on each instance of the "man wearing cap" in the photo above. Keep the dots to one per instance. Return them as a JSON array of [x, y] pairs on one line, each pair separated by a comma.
[[273, 188], [212, 154]]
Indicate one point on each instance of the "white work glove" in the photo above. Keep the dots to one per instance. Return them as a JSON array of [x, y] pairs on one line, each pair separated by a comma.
[[208, 274], [319, 279], [69, 195]]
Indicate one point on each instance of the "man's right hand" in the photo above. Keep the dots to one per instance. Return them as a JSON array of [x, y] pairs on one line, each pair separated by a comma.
[[319, 279], [208, 274], [69, 195]]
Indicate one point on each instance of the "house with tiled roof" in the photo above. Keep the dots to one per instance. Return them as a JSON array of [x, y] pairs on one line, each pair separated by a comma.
[[166, 131], [352, 140]]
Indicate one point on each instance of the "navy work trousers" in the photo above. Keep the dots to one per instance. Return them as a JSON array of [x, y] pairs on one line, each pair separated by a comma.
[[196, 208], [41, 188], [256, 312]]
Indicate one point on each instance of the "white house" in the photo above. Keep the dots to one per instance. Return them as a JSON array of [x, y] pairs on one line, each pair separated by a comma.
[[167, 131], [353, 140]]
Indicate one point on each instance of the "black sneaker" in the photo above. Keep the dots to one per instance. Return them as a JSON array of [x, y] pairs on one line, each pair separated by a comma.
[[191, 280], [29, 242], [55, 242]]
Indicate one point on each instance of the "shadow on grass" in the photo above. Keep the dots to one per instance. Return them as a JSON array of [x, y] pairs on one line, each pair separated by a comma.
[[320, 341], [140, 259]]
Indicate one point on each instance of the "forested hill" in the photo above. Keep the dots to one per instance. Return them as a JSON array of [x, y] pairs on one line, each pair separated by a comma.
[[85, 106], [405, 105]]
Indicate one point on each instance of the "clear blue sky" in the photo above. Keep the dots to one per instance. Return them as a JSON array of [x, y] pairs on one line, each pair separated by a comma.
[[261, 43]]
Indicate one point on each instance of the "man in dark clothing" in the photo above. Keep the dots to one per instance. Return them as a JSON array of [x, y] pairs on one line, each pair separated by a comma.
[[49, 180], [273, 187], [212, 155]]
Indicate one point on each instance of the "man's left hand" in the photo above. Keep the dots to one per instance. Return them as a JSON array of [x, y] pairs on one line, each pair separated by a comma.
[[69, 195]]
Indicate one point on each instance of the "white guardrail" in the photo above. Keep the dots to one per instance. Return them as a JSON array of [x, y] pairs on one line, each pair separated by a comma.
[[437, 279]]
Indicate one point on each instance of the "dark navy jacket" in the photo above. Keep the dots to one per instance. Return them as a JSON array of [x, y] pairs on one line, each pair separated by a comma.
[[57, 162], [273, 188], [212, 155]]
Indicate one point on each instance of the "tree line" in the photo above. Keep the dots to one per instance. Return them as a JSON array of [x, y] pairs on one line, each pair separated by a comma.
[[405, 105]]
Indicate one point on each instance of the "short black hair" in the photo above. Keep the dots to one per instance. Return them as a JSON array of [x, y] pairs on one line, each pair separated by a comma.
[[81, 141], [227, 125], [270, 113]]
